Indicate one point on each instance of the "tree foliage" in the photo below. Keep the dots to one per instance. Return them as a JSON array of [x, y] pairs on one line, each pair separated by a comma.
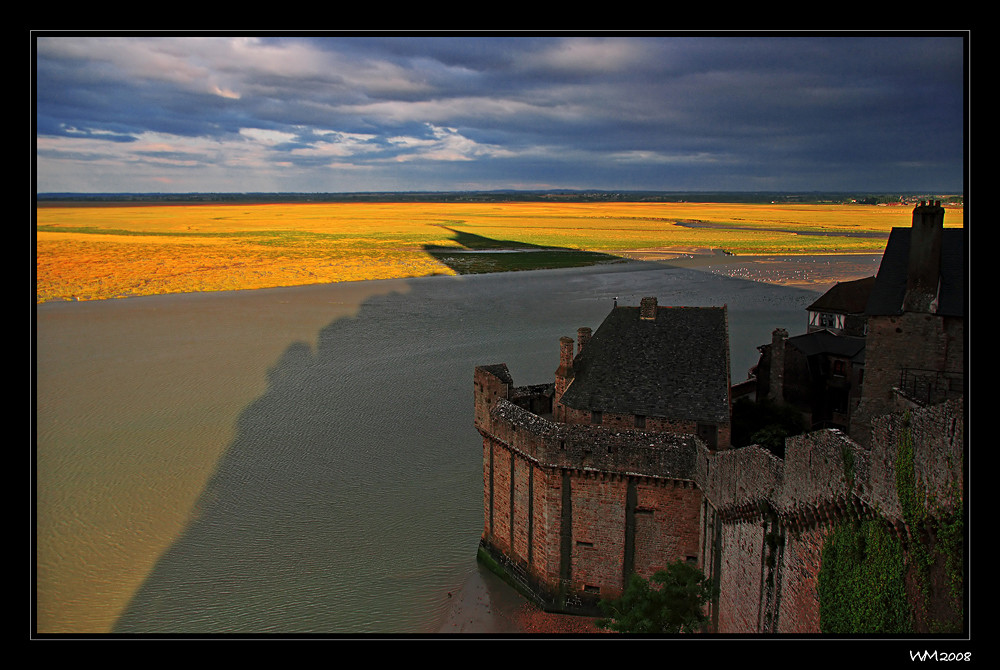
[[764, 423], [672, 601]]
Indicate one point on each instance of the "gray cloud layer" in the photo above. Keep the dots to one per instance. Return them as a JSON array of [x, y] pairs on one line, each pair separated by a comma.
[[359, 113]]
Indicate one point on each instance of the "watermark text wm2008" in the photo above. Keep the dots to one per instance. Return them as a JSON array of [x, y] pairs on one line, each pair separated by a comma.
[[940, 656]]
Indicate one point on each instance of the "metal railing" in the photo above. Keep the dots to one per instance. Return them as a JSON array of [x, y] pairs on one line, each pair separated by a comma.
[[931, 386]]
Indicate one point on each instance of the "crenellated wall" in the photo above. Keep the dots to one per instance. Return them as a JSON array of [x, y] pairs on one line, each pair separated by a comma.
[[571, 509], [769, 518]]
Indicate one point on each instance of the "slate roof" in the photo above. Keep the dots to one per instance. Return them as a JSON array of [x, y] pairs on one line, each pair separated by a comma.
[[890, 282], [847, 297], [674, 366], [500, 371]]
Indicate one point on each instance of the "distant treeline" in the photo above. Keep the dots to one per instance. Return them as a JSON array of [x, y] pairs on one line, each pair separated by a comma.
[[43, 199]]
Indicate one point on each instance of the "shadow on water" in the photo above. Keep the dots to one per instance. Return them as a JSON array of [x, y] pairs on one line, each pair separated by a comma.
[[350, 499]]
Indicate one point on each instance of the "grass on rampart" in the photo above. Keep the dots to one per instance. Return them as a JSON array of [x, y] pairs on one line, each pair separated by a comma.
[[99, 252]]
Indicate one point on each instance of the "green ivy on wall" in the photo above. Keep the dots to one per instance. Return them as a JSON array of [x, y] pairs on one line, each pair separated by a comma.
[[861, 581], [928, 519]]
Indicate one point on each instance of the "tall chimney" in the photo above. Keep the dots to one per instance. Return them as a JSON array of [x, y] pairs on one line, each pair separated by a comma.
[[564, 374], [647, 309], [924, 269], [582, 338], [776, 373]]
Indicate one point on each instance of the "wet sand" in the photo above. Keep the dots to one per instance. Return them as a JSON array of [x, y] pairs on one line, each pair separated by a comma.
[[486, 606], [815, 272]]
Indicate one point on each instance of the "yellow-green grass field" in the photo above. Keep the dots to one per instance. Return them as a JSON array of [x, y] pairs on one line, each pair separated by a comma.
[[100, 252]]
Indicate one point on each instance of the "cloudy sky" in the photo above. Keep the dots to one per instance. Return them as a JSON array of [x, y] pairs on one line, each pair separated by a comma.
[[298, 113]]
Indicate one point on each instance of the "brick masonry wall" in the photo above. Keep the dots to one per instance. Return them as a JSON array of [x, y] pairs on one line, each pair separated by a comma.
[[740, 578], [752, 498], [798, 608], [824, 478], [598, 521], [652, 424], [667, 524], [910, 340]]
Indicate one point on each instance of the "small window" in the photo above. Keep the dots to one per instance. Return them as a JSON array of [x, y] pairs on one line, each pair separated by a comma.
[[596, 417], [839, 368], [589, 588], [640, 421]]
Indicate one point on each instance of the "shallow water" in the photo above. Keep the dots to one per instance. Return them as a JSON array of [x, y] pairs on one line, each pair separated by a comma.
[[302, 460]]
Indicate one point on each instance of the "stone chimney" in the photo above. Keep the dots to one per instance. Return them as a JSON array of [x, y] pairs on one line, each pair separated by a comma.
[[564, 374], [924, 269], [582, 338], [776, 372], [647, 309]]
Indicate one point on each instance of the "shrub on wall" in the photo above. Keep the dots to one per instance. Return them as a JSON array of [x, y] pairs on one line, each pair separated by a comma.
[[764, 423], [672, 601]]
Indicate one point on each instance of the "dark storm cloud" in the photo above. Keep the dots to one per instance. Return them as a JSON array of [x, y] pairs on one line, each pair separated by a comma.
[[360, 113]]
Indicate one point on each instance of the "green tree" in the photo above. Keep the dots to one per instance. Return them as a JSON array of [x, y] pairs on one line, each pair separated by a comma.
[[672, 601]]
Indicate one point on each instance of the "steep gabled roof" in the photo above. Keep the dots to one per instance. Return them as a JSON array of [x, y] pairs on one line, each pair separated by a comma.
[[674, 366], [846, 297], [890, 282]]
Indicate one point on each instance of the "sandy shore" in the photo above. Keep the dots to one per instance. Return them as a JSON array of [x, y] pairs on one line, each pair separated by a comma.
[[816, 272], [486, 606]]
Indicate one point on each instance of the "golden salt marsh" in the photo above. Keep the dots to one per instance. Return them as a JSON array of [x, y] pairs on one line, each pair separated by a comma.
[[98, 252]]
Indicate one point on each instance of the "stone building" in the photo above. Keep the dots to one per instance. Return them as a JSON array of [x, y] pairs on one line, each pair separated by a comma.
[[841, 310], [623, 464], [819, 373], [659, 369], [915, 347], [902, 330], [591, 478]]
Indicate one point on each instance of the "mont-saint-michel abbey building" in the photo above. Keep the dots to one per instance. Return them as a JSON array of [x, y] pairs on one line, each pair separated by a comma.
[[624, 463]]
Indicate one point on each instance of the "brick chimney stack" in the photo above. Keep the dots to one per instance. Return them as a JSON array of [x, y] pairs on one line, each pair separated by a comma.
[[582, 338], [564, 374], [647, 309], [924, 270], [776, 373]]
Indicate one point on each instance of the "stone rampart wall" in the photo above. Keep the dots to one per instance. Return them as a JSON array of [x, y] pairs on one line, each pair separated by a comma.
[[762, 521], [586, 447], [770, 518]]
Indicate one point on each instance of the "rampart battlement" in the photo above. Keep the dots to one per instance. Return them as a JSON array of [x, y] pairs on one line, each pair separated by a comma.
[[585, 447], [826, 475], [572, 508]]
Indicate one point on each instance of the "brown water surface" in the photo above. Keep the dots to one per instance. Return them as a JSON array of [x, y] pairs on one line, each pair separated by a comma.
[[303, 459]]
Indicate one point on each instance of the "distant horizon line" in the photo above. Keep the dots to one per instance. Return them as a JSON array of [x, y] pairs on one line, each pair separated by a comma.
[[570, 191]]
